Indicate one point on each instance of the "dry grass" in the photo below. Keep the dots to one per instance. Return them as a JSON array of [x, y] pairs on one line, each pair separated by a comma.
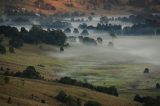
[[48, 90], [31, 55]]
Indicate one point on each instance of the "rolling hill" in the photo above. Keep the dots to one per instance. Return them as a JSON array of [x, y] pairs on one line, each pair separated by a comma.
[[50, 7], [22, 95]]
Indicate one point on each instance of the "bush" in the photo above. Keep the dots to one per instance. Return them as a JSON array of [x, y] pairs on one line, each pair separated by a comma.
[[92, 103], [138, 99], [6, 80], [2, 69]]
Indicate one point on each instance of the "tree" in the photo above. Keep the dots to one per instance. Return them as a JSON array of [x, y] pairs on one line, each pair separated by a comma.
[[146, 70], [67, 30], [90, 18], [158, 86], [85, 32], [76, 31], [2, 49], [11, 49], [112, 35], [99, 39], [62, 96], [61, 49]]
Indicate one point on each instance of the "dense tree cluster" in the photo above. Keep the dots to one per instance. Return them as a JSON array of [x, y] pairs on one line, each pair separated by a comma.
[[59, 24], [108, 90], [68, 99], [35, 35], [29, 72], [136, 29], [89, 41], [73, 101]]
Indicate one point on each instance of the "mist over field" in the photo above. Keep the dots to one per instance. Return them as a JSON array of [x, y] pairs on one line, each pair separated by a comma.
[[79, 53]]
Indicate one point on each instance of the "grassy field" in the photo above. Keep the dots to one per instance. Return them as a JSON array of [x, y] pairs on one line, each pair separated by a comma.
[[99, 68], [34, 56], [21, 95]]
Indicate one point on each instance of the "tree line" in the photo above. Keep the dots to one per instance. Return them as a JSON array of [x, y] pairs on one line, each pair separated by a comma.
[[108, 90], [34, 36]]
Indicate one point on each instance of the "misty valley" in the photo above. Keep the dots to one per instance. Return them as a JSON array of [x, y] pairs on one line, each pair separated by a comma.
[[80, 53]]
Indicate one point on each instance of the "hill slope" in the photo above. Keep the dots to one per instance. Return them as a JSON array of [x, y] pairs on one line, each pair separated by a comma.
[[42, 90], [96, 6]]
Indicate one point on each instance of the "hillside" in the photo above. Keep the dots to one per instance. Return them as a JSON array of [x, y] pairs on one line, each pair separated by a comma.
[[50, 7], [42, 90]]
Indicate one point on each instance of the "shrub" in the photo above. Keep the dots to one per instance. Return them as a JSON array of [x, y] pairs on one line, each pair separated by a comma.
[[62, 96], [138, 99], [9, 101], [2, 69], [146, 70], [43, 101], [92, 103], [61, 49], [6, 80]]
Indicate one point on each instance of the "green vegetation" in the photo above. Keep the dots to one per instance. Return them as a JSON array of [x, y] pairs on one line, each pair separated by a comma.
[[29, 72], [68, 99], [34, 36], [108, 90]]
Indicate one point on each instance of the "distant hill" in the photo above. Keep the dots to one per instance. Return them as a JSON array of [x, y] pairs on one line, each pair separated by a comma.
[[87, 6]]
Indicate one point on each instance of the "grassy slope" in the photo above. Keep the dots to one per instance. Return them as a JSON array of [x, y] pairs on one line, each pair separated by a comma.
[[31, 55], [48, 90], [61, 7]]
